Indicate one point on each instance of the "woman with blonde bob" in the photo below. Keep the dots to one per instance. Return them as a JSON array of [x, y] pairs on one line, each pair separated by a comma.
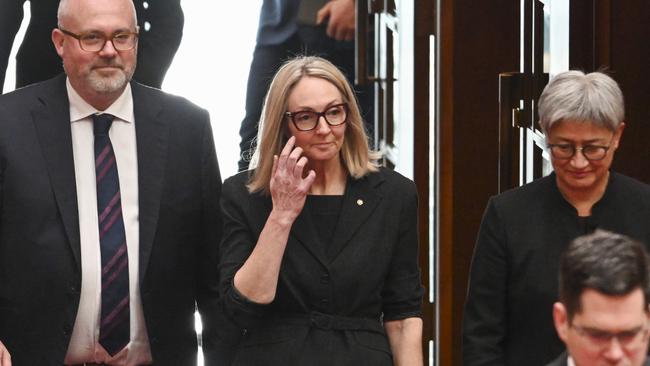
[[319, 253]]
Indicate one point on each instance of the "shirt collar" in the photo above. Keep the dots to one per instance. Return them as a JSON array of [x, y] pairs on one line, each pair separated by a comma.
[[122, 108], [570, 362]]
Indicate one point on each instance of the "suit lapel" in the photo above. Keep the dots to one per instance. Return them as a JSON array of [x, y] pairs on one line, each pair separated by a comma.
[[360, 200], [304, 231], [152, 137], [52, 123]]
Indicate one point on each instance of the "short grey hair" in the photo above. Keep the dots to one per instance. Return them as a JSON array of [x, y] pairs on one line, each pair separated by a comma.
[[587, 98]]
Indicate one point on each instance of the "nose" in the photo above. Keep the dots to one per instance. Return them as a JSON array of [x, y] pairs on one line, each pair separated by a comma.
[[108, 50], [578, 159], [614, 351], [323, 127]]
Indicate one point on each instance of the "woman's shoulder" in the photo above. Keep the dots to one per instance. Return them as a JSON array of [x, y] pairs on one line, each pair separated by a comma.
[[625, 190], [239, 178], [621, 181], [539, 190], [390, 180], [236, 184]]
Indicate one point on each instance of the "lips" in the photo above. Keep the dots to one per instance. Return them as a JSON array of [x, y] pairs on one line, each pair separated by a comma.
[[104, 67], [580, 175], [323, 143]]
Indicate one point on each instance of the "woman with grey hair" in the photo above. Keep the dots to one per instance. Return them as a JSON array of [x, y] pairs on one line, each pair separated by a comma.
[[513, 285]]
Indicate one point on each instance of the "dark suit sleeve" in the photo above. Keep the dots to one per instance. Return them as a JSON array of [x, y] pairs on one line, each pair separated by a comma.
[[158, 44], [236, 246], [484, 323], [11, 15], [402, 293], [214, 327]]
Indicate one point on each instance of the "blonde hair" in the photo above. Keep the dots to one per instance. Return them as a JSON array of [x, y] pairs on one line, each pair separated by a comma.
[[273, 132]]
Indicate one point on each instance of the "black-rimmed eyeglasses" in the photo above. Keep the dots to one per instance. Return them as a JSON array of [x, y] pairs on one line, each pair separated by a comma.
[[307, 120], [567, 151], [601, 338], [95, 41]]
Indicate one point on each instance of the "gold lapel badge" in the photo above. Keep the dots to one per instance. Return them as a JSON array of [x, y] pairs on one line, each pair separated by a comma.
[[359, 202]]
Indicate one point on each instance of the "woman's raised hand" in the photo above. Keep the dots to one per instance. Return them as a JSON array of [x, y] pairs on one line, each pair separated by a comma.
[[288, 187]]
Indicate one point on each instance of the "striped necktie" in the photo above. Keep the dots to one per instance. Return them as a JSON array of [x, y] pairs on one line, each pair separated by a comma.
[[115, 325]]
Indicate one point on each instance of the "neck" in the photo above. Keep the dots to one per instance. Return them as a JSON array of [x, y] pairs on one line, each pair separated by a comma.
[[584, 199], [331, 177]]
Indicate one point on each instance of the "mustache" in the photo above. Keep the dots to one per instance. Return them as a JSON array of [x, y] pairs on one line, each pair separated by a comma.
[[111, 63]]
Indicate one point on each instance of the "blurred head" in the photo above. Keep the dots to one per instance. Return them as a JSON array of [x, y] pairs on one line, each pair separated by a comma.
[[581, 116], [603, 313], [99, 76], [310, 84]]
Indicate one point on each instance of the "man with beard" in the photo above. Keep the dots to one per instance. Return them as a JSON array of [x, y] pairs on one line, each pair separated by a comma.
[[109, 219]]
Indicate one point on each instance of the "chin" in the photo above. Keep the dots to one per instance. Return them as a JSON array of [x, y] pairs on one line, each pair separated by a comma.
[[108, 84]]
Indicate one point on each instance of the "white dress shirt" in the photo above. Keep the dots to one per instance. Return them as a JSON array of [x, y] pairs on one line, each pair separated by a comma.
[[84, 345]]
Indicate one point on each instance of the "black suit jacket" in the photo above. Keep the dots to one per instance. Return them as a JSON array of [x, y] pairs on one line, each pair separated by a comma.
[[37, 59], [508, 318], [563, 358], [369, 269], [179, 187], [560, 361]]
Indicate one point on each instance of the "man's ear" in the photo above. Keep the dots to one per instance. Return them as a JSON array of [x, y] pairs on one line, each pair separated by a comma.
[[58, 38], [561, 320]]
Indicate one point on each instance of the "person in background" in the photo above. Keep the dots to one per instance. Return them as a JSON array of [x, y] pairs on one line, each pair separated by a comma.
[[288, 28], [511, 288], [109, 215], [160, 24], [319, 258], [604, 310]]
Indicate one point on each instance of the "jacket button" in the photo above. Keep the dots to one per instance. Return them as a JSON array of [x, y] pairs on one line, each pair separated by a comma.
[[325, 279]]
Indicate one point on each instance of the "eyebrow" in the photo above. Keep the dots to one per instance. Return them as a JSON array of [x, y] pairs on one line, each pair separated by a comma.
[[117, 31], [583, 142], [598, 330], [307, 108]]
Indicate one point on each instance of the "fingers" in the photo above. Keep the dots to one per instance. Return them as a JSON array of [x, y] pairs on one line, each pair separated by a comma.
[[274, 168], [349, 35], [332, 29], [341, 33], [308, 181], [293, 158], [323, 13], [300, 166], [5, 358], [284, 154]]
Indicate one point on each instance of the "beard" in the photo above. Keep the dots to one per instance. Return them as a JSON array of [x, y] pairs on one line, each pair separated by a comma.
[[91, 77], [109, 84]]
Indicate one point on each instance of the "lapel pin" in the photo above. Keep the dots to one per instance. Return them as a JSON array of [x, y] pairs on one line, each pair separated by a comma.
[[359, 202]]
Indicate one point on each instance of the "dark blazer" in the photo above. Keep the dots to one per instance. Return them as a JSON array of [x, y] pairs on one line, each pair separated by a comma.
[[514, 276], [330, 296], [37, 59], [560, 361], [179, 187], [563, 358]]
